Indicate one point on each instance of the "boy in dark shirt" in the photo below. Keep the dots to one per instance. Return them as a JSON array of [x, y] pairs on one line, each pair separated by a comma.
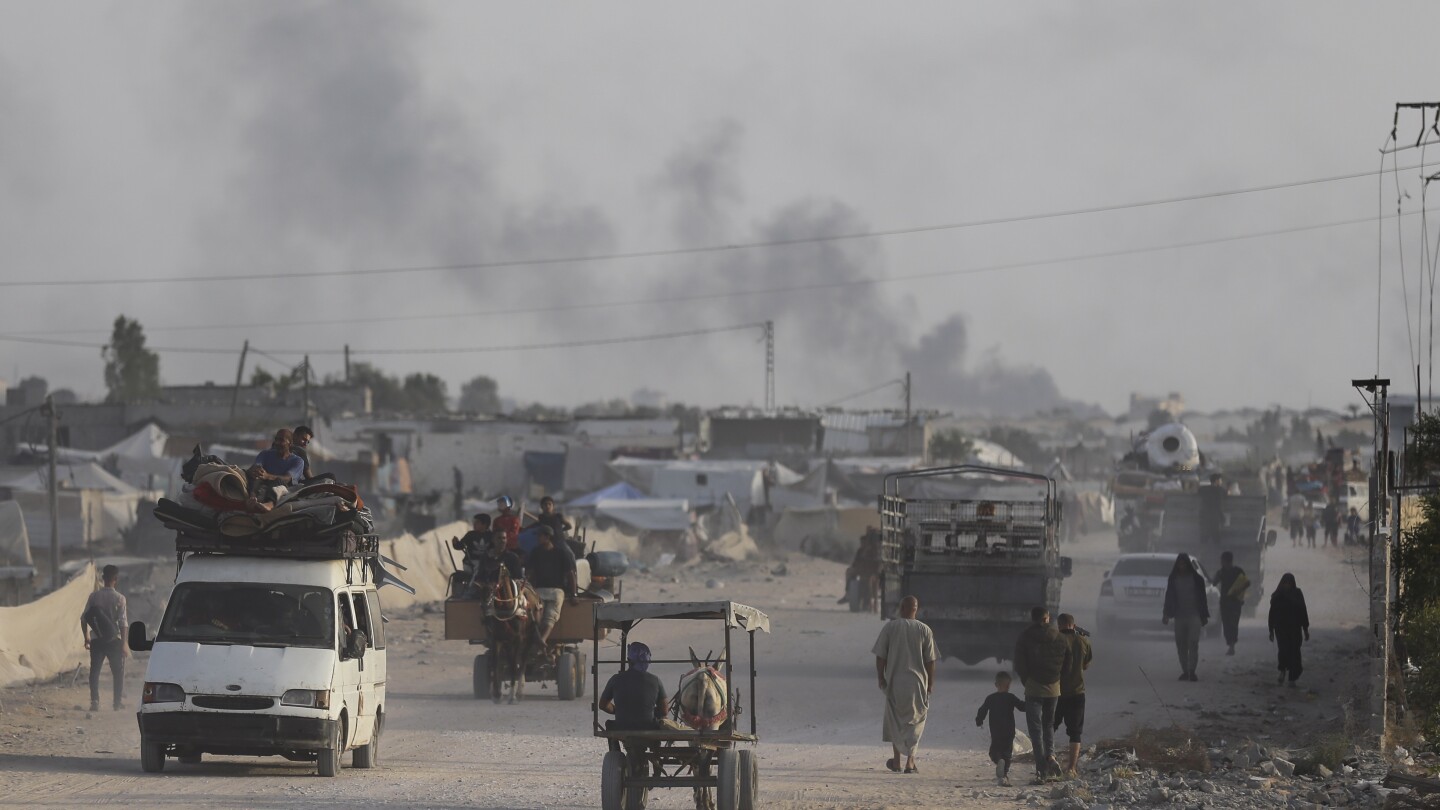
[[1001, 706]]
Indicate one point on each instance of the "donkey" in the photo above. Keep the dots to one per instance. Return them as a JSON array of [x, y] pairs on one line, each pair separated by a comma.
[[509, 618], [702, 700]]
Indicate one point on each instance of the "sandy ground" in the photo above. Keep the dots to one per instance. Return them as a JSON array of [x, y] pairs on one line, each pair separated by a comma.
[[819, 708]]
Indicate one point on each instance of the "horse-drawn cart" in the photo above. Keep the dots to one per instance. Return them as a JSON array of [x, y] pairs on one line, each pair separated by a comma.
[[706, 760], [562, 660]]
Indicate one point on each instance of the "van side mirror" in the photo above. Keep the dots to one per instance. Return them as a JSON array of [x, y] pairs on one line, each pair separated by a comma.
[[355, 645], [1067, 566], [136, 638]]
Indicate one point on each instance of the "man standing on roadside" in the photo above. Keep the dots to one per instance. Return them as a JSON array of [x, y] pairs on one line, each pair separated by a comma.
[[1232, 583], [1040, 656], [905, 656], [1071, 707], [102, 625]]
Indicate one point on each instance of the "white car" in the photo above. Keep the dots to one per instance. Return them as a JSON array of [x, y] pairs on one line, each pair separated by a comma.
[[1133, 594]]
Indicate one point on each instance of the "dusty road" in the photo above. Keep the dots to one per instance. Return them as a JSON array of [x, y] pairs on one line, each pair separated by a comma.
[[819, 710]]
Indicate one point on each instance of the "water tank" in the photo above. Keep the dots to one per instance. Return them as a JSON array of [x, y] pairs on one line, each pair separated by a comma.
[[1172, 447]]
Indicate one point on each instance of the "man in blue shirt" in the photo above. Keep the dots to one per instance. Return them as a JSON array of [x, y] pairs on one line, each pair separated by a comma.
[[278, 466]]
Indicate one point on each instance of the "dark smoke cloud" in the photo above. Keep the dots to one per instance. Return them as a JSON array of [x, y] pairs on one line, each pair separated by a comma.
[[344, 156], [847, 338]]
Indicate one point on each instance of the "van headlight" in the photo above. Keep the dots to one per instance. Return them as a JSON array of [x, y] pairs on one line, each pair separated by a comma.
[[162, 693], [308, 698]]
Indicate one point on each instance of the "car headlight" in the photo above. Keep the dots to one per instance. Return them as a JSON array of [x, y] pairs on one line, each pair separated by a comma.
[[308, 698], [162, 693]]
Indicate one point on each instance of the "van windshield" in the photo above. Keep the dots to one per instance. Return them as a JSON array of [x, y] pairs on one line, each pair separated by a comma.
[[250, 613]]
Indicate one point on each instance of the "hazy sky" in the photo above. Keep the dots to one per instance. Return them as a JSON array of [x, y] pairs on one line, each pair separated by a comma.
[[189, 140]]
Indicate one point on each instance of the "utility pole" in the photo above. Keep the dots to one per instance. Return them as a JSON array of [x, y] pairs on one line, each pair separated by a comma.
[[347, 363], [769, 366], [908, 449], [52, 420], [1380, 547], [239, 375]]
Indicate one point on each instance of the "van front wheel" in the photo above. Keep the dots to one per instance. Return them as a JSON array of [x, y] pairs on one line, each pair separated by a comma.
[[152, 756], [328, 761]]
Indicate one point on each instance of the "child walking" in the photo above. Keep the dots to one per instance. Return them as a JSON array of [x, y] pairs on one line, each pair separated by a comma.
[[1001, 706]]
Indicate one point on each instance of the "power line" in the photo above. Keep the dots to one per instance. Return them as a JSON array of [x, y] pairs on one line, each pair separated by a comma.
[[858, 394], [711, 296], [438, 350], [682, 251]]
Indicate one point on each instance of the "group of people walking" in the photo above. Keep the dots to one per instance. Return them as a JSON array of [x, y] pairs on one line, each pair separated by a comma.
[[1307, 524], [1050, 662]]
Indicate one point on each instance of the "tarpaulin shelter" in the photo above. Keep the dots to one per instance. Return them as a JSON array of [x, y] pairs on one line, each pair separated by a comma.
[[615, 492]]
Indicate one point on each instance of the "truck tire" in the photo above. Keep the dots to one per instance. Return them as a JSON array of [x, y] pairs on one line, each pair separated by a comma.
[[565, 667], [327, 761], [727, 792], [581, 675], [368, 755], [480, 678], [152, 756], [612, 781], [749, 781]]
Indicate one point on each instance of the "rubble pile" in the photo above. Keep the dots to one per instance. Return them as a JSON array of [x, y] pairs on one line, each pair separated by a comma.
[[1244, 775]]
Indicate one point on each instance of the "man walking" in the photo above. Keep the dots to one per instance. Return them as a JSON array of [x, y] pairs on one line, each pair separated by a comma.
[[102, 625], [1185, 603], [905, 656], [1040, 656], [1071, 707], [1232, 583]]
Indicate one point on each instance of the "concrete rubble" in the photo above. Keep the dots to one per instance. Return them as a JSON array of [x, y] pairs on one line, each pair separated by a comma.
[[1243, 776]]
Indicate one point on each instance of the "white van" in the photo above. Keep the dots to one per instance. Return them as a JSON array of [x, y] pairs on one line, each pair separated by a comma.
[[264, 656]]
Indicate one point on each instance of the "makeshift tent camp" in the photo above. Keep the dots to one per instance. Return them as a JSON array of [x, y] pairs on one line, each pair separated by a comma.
[[94, 505]]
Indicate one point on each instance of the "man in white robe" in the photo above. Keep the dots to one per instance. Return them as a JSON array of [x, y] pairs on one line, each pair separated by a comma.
[[905, 657]]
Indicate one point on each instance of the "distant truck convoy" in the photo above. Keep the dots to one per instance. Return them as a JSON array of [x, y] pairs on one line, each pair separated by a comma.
[[978, 561], [1157, 508]]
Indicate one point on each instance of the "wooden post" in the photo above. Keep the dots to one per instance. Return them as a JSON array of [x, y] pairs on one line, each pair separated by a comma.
[[52, 488], [239, 376]]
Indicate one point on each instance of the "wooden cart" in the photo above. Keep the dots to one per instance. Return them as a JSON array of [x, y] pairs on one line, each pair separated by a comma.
[[722, 776]]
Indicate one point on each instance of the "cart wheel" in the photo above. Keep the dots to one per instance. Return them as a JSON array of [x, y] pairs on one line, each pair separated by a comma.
[[727, 792], [580, 674], [637, 797], [565, 668], [481, 677], [749, 781], [612, 781]]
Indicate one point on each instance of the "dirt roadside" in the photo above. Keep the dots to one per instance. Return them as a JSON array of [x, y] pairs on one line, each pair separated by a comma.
[[819, 709]]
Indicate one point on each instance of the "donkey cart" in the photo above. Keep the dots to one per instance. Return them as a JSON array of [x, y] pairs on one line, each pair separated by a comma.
[[706, 758], [562, 660]]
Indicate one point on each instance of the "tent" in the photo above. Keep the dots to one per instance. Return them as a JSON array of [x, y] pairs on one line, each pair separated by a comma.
[[649, 514], [14, 540], [95, 505], [615, 492]]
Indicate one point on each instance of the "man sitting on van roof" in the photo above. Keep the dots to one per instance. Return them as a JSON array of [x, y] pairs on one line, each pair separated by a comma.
[[277, 465]]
